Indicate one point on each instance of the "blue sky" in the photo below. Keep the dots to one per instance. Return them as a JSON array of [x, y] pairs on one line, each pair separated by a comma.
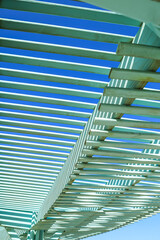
[[145, 229]]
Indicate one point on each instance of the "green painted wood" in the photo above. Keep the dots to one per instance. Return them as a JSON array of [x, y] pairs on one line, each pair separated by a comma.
[[33, 150], [39, 126], [118, 144], [46, 110], [132, 93], [52, 78], [142, 111], [43, 140], [125, 122], [43, 62], [69, 11], [38, 132], [121, 154], [119, 134], [48, 100], [134, 75], [55, 48], [138, 50], [35, 145]]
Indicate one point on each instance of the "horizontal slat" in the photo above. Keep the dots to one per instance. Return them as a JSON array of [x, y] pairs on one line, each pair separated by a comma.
[[118, 134], [39, 169], [41, 118], [51, 78], [32, 150], [15, 180], [134, 75], [36, 139], [34, 145], [37, 132], [132, 93], [69, 11], [138, 50], [55, 48], [43, 62], [39, 126], [28, 173], [147, 103], [126, 123], [24, 107], [23, 160], [154, 112], [36, 156], [122, 145], [64, 32], [119, 154]]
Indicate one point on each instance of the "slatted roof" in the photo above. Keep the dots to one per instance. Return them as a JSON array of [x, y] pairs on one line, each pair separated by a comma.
[[79, 120]]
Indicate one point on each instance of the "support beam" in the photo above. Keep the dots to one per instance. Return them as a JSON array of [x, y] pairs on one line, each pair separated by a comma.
[[124, 122], [134, 75], [120, 154], [119, 134], [141, 111], [118, 144], [132, 93], [138, 50]]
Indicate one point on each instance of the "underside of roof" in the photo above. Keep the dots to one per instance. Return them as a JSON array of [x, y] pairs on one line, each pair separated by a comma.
[[80, 117]]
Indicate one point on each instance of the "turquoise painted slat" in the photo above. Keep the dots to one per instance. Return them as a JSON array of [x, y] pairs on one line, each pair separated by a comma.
[[68, 11]]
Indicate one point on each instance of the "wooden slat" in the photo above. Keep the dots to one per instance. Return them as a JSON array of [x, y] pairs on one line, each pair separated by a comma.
[[69, 11]]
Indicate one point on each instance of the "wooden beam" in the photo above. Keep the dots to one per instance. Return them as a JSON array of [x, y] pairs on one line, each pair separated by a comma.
[[142, 111], [119, 134], [132, 93], [117, 160], [126, 123], [120, 154], [138, 50], [134, 75], [116, 144]]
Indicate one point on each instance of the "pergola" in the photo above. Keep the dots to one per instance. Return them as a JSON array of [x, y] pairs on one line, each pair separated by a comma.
[[80, 117]]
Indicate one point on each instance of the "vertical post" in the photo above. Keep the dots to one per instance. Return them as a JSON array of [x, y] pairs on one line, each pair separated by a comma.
[[39, 235]]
